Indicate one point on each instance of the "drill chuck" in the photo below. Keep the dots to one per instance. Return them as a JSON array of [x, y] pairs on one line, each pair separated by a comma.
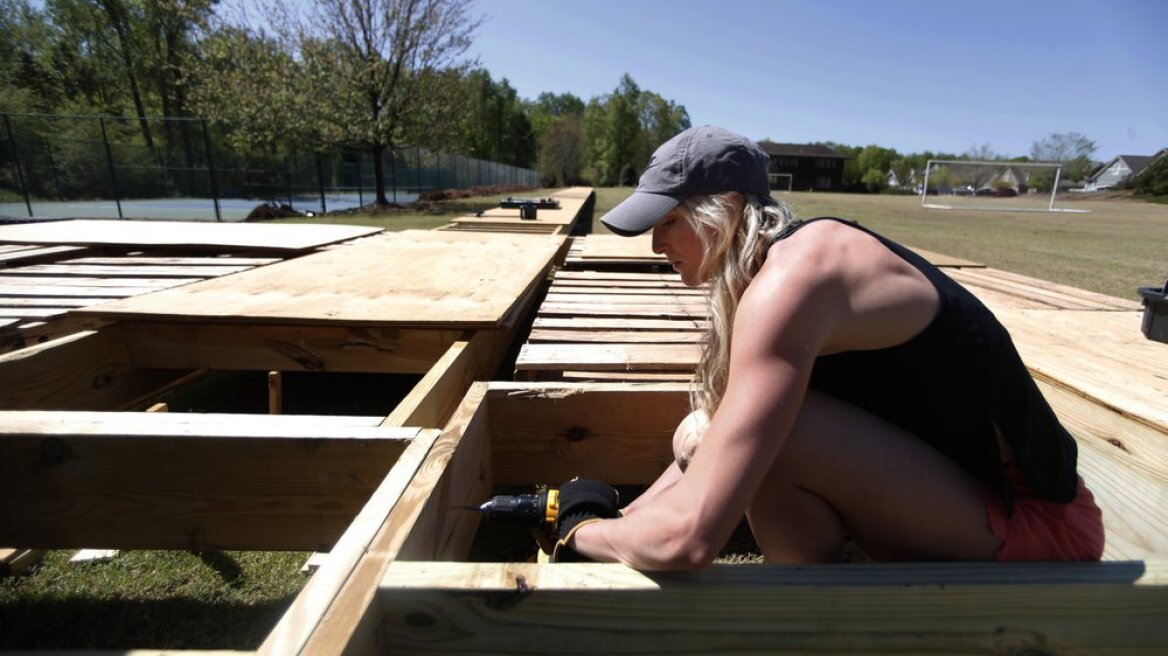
[[526, 509]]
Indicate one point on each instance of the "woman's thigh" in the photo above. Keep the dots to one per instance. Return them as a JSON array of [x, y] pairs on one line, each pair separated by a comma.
[[898, 497]]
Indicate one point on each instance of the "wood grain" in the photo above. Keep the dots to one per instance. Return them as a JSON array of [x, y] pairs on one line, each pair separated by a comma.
[[412, 278], [187, 481], [182, 234]]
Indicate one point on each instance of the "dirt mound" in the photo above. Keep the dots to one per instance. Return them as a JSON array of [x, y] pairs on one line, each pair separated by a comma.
[[271, 210]]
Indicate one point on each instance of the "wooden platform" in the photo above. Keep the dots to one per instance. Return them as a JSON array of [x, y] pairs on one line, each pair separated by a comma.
[[414, 278], [252, 237], [399, 578], [574, 211], [402, 582]]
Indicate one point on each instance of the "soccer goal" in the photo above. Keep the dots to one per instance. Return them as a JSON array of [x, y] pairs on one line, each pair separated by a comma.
[[781, 181], [992, 186]]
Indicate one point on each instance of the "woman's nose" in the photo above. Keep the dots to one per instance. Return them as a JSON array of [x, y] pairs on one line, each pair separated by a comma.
[[658, 243]]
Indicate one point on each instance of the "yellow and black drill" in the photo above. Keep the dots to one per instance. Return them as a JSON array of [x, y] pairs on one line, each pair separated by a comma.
[[536, 510]]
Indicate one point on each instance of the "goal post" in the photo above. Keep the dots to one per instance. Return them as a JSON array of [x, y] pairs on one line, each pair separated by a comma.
[[992, 186], [781, 181]]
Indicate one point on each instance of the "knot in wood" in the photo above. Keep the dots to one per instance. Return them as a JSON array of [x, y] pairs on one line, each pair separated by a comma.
[[577, 433], [101, 381], [54, 451]]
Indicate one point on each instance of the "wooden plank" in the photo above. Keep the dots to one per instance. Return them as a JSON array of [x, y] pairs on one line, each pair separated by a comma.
[[1101, 355], [208, 262], [32, 289], [613, 247], [662, 289], [284, 348], [21, 277], [187, 481], [89, 370], [617, 300], [332, 614], [137, 271], [614, 336], [917, 608], [618, 323], [33, 313], [411, 278], [626, 376], [550, 432], [608, 357], [618, 275], [39, 254], [566, 284], [32, 302], [1039, 292], [475, 357], [644, 311], [183, 234]]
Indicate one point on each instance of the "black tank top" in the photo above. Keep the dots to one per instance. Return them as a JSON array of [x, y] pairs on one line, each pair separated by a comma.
[[951, 383]]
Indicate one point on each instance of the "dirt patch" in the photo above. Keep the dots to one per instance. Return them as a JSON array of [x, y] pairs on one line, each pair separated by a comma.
[[271, 210]]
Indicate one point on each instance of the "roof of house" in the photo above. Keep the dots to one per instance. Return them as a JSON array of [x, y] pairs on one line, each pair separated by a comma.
[[800, 150], [1135, 163]]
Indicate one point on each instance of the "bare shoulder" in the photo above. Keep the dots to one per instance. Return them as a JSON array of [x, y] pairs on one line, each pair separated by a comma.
[[843, 276]]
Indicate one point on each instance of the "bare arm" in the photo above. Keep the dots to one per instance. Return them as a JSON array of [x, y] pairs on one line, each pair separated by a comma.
[[827, 292]]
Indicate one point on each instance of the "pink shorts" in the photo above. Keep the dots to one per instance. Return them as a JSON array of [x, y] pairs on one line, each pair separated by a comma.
[[1044, 530]]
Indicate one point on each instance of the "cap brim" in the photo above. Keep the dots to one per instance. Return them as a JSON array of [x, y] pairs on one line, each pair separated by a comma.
[[638, 213]]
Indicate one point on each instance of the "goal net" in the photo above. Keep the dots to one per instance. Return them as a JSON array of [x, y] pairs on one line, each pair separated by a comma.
[[781, 181], [951, 184]]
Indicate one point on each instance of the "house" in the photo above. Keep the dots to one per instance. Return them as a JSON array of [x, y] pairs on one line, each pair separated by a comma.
[[806, 166], [1120, 170]]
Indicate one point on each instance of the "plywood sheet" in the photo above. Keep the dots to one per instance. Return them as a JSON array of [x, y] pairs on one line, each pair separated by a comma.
[[1101, 355], [412, 278], [182, 234]]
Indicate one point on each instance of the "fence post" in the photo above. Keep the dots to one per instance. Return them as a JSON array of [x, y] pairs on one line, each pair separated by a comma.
[[211, 172], [320, 183], [19, 170], [360, 198], [109, 157], [393, 171], [288, 178]]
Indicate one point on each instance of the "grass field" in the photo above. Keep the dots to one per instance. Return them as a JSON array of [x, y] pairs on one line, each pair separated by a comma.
[[230, 600]]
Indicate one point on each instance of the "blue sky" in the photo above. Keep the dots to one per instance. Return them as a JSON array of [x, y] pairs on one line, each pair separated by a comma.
[[910, 75]]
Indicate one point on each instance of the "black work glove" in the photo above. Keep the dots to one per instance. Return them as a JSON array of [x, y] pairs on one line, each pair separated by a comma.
[[581, 501]]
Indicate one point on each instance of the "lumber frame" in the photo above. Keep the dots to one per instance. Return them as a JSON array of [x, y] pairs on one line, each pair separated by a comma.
[[172, 345], [512, 608], [410, 592], [89, 370], [187, 481]]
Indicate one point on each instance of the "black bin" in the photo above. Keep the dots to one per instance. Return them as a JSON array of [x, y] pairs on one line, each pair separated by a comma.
[[1155, 312]]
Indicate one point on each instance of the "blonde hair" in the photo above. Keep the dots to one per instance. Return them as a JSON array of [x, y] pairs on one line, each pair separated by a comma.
[[735, 231]]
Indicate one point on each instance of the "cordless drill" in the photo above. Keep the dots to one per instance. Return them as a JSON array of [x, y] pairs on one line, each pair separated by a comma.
[[534, 510]]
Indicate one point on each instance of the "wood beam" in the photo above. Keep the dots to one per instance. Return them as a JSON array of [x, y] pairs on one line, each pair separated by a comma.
[[546, 433], [335, 613], [285, 348], [187, 481], [517, 608], [89, 370]]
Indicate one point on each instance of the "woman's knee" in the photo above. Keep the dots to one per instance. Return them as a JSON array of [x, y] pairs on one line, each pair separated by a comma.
[[688, 436]]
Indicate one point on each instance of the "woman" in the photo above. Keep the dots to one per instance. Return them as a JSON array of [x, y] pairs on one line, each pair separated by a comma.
[[850, 388]]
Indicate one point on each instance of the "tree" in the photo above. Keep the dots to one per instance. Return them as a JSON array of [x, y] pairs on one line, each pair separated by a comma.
[[372, 63], [1071, 149], [561, 151]]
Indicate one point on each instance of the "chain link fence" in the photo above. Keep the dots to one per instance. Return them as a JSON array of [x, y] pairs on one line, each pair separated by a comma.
[[57, 166]]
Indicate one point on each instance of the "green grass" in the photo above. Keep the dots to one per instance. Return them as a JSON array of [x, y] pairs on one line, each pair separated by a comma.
[[231, 600], [149, 599], [1114, 249]]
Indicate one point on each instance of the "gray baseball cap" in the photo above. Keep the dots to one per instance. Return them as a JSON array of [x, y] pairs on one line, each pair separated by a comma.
[[699, 161]]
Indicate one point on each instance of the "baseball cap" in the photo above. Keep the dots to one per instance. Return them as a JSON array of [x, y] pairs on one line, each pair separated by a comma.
[[699, 161]]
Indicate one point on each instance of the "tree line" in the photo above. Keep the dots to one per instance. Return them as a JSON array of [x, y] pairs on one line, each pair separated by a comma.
[[366, 75], [374, 76]]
